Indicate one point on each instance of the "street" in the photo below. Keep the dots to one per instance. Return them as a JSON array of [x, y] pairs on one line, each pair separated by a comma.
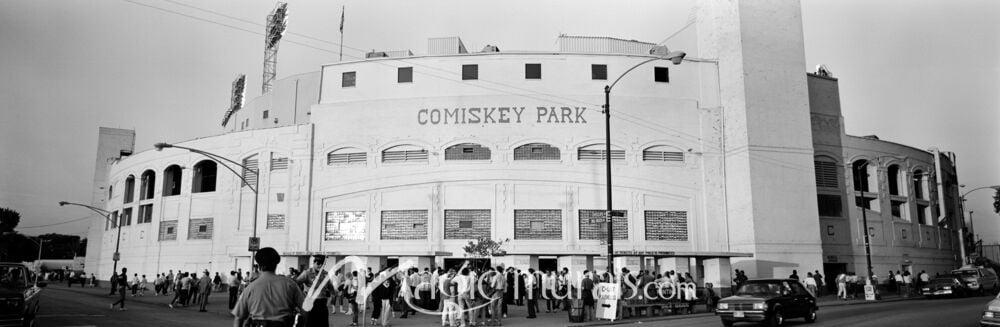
[[89, 307]]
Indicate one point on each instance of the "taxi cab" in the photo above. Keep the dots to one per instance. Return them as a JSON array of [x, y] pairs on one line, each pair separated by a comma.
[[991, 315]]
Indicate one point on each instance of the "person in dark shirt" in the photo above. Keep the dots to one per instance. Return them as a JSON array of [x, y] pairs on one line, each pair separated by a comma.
[[270, 300], [121, 283]]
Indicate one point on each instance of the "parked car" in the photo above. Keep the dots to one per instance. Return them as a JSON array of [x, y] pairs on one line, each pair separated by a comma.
[[768, 300], [979, 279], [19, 295], [947, 285], [991, 315]]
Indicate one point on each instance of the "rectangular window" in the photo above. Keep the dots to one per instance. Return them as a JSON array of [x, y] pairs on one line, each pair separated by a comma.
[[404, 75], [666, 225], [922, 214], [404, 225], [466, 224], [599, 72], [661, 74], [829, 205], [250, 172], [404, 156], [593, 225], [168, 230], [346, 158], [538, 224], [275, 221], [114, 220], [826, 174], [348, 80], [280, 197], [470, 72], [668, 156], [591, 154], [345, 225], [265, 114], [145, 214], [467, 151], [278, 163], [200, 229], [126, 218], [533, 71], [898, 209]]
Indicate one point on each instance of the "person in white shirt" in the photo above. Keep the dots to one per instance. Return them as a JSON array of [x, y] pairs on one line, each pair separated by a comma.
[[463, 286], [549, 285], [907, 283], [810, 283]]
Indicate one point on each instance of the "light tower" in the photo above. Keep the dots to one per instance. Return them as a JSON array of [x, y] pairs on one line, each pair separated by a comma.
[[236, 98], [275, 29]]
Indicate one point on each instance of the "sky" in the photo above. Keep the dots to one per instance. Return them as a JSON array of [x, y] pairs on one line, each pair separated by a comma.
[[917, 72]]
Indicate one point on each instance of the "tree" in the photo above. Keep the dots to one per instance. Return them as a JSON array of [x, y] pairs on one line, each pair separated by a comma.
[[8, 220], [484, 247]]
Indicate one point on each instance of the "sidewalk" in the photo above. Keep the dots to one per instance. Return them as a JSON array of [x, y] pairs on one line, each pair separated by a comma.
[[218, 302]]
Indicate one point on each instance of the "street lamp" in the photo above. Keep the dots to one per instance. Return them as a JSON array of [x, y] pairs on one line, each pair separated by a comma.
[[659, 53], [864, 221], [107, 216], [961, 248], [219, 159]]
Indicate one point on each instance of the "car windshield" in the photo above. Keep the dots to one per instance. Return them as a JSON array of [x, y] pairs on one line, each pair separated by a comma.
[[13, 277], [759, 289]]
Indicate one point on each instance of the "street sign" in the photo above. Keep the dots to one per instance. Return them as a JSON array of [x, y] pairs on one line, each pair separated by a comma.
[[607, 301], [254, 244], [116, 256], [869, 292], [618, 214]]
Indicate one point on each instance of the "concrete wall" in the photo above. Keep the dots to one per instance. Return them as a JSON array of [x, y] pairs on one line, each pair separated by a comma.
[[111, 143], [765, 99]]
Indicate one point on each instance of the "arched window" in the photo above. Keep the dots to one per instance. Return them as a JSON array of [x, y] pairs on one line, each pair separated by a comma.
[[536, 151], [251, 170], [598, 152], [661, 153], [467, 151], [346, 156], [146, 188], [895, 180], [204, 176], [404, 153], [172, 180], [920, 184], [129, 189], [865, 187]]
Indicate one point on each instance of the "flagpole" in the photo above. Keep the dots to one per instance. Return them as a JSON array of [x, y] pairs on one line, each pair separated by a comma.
[[342, 9]]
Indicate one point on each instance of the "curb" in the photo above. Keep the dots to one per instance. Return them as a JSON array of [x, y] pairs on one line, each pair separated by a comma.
[[644, 320]]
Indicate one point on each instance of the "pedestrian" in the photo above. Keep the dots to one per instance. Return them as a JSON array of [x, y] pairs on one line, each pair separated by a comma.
[[811, 284], [531, 287], [820, 283], [203, 288], [907, 283], [548, 289], [121, 283], [381, 297], [842, 286], [587, 293], [142, 285], [463, 288], [217, 282], [450, 310], [271, 300], [168, 282], [711, 300], [234, 287], [319, 314], [499, 284], [794, 275], [898, 278], [350, 290]]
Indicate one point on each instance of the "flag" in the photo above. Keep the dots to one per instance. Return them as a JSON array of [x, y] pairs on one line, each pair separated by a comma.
[[342, 20]]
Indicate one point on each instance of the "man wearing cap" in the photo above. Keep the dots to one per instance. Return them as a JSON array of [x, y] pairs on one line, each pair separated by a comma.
[[270, 300], [319, 315]]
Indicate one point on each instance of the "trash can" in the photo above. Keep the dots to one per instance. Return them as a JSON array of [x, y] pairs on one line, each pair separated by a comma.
[[576, 310]]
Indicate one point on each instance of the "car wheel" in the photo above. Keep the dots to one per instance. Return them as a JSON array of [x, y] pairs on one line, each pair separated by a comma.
[[777, 319], [811, 315]]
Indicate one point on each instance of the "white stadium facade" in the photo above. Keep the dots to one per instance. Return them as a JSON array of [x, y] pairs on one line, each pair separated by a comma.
[[734, 159]]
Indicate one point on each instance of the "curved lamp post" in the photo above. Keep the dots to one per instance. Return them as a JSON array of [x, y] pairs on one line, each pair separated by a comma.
[[660, 53], [222, 161], [995, 188], [107, 216]]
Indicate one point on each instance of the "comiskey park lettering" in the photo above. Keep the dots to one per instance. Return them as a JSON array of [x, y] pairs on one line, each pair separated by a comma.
[[663, 290], [501, 115]]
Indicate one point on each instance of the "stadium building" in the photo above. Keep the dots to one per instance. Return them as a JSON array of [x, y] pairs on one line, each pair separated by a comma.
[[734, 159]]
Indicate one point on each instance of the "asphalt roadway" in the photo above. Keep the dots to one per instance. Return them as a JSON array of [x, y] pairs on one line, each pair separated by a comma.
[[63, 306]]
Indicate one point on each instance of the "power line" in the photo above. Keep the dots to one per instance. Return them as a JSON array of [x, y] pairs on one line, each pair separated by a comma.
[[60, 223]]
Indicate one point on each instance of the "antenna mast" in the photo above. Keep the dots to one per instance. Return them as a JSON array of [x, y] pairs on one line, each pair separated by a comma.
[[275, 30]]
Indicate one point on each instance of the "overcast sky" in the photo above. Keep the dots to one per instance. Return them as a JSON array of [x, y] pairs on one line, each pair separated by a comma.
[[920, 73]]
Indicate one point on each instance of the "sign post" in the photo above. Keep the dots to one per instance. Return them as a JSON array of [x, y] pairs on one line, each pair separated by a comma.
[[116, 257]]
